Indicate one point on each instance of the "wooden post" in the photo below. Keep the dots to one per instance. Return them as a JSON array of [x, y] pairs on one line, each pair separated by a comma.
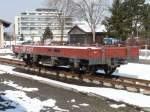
[[1, 35]]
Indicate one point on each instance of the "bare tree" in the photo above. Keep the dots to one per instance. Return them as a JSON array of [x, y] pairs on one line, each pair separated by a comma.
[[64, 8], [92, 11]]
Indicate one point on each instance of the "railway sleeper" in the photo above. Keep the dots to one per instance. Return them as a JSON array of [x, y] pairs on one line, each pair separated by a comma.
[[27, 68], [107, 84], [43, 71], [53, 73], [76, 78], [97, 82], [128, 81], [87, 80], [146, 92], [62, 75], [69, 76], [142, 84], [119, 86], [36, 70], [132, 89]]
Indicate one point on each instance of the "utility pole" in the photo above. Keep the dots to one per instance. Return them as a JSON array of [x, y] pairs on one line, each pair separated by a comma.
[[14, 35]]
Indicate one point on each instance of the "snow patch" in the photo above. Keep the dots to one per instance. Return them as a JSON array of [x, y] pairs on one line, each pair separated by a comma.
[[20, 102], [75, 106], [135, 70], [73, 100], [49, 102], [84, 104], [117, 106], [12, 84], [59, 109]]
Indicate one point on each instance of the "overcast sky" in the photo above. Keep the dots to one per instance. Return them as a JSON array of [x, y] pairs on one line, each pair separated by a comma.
[[10, 8]]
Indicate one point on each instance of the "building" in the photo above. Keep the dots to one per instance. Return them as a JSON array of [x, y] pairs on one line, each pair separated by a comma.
[[2, 25], [81, 34], [31, 24]]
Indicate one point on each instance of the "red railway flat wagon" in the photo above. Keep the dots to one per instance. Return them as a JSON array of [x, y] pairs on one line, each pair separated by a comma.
[[78, 56]]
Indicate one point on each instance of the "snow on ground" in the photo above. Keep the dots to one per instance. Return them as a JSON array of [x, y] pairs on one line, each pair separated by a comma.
[[12, 84], [20, 102], [6, 50], [8, 57], [141, 71], [136, 99], [144, 54]]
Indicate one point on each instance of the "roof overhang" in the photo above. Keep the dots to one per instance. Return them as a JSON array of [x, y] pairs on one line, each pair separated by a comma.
[[5, 23]]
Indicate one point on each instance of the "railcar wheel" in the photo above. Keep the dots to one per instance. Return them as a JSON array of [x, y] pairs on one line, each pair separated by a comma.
[[93, 69], [109, 69], [28, 59], [16, 54]]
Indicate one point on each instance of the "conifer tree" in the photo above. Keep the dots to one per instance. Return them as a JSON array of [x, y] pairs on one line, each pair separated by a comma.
[[134, 14], [47, 34], [146, 21], [116, 25], [126, 19]]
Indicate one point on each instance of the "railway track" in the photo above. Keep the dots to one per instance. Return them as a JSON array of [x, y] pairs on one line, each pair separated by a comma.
[[119, 82]]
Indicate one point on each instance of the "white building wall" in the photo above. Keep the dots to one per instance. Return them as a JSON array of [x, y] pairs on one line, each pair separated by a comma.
[[33, 24]]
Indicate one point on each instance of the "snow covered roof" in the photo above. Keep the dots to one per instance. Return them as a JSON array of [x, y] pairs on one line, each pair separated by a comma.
[[85, 27]]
